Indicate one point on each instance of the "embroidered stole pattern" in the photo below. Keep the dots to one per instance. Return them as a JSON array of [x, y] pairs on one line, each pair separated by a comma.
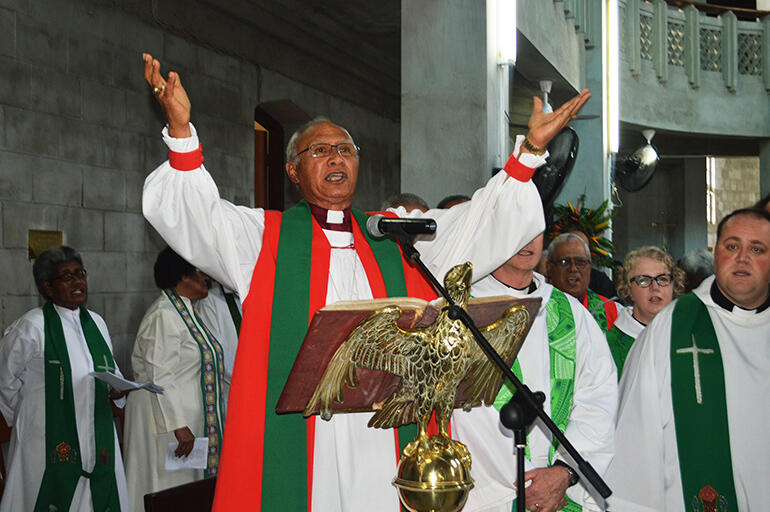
[[562, 343], [212, 374], [63, 465]]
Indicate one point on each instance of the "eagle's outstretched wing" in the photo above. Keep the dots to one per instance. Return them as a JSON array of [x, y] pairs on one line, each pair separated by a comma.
[[377, 343], [506, 336]]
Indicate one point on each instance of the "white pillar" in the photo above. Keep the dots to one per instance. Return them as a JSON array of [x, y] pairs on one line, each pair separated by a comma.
[[451, 97]]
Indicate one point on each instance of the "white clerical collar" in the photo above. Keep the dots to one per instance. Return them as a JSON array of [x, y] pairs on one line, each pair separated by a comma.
[[721, 300], [335, 216]]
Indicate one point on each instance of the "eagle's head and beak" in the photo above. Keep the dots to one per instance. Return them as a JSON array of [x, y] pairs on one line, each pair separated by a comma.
[[458, 282]]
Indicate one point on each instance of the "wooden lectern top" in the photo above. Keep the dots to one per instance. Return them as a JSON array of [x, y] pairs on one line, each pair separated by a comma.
[[332, 324]]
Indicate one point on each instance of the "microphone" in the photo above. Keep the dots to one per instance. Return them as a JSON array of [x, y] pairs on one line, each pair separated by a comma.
[[379, 226]]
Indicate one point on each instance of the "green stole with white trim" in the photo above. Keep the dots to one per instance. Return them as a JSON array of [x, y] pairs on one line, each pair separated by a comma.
[[287, 433], [562, 348], [212, 375], [700, 409], [63, 464]]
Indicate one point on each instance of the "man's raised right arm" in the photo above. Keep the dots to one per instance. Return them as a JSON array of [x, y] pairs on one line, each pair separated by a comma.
[[181, 200]]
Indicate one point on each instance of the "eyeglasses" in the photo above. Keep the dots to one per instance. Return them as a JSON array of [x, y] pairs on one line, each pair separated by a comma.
[[642, 281], [322, 150], [67, 277], [580, 263]]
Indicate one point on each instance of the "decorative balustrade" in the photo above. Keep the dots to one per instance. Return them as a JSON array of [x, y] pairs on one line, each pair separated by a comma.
[[667, 36]]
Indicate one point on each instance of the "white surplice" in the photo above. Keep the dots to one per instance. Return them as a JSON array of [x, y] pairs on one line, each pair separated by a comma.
[[353, 464], [592, 419], [645, 472], [22, 403], [627, 323], [166, 354]]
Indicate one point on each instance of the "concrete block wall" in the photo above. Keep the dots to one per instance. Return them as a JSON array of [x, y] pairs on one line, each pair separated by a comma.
[[79, 132], [737, 186]]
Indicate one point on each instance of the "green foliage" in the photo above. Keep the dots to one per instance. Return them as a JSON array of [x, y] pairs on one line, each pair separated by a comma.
[[592, 222]]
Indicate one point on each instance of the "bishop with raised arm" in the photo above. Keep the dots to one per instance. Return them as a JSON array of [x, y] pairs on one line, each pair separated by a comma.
[[286, 265]]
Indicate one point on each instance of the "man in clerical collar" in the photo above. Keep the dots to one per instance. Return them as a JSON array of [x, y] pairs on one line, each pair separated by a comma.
[[566, 357], [64, 452], [287, 265], [693, 407], [569, 270], [742, 261]]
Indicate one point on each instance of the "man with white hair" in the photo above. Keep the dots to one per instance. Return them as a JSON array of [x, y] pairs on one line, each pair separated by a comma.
[[566, 357], [569, 270], [693, 412], [287, 265]]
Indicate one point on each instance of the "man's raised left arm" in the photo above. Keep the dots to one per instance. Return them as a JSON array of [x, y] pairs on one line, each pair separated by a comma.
[[506, 214]]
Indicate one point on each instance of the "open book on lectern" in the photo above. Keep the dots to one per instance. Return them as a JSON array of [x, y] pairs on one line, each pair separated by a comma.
[[332, 324]]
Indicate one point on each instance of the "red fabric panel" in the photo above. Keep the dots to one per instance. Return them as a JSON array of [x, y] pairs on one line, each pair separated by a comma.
[[319, 282], [186, 161], [611, 310], [518, 170], [241, 475]]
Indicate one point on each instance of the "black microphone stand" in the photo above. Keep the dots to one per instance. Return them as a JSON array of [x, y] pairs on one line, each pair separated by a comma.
[[519, 413]]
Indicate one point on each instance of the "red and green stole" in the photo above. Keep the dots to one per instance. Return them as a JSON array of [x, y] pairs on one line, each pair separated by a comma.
[[63, 464], [700, 409], [212, 380], [262, 450], [604, 311]]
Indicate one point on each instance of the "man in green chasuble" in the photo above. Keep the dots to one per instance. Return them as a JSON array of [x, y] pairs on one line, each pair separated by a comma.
[[694, 411]]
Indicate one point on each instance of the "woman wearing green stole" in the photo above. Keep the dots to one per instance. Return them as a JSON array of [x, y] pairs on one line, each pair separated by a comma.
[[173, 349], [649, 282], [64, 452]]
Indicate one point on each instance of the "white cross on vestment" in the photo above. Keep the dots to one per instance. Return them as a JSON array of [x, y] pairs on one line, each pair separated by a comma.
[[694, 350], [106, 367]]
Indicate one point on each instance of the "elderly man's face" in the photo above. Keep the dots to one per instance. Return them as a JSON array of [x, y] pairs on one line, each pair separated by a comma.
[[742, 260], [330, 181], [569, 269], [69, 289]]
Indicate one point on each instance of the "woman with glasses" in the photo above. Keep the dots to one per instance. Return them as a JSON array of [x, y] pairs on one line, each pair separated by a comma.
[[650, 281]]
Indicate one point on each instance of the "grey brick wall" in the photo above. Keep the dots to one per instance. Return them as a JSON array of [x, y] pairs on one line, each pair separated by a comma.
[[737, 186], [79, 131]]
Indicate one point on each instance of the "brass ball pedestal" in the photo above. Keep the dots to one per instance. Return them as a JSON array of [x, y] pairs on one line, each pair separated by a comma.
[[435, 477]]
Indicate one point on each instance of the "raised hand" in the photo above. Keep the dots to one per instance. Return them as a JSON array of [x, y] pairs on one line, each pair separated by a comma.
[[171, 96], [544, 127]]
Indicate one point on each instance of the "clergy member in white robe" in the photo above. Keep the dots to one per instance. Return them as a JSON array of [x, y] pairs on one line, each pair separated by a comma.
[[352, 464], [60, 277], [647, 472], [649, 281], [590, 425], [171, 351]]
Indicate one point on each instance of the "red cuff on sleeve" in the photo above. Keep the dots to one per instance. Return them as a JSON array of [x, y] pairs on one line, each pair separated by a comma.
[[518, 170], [186, 161]]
